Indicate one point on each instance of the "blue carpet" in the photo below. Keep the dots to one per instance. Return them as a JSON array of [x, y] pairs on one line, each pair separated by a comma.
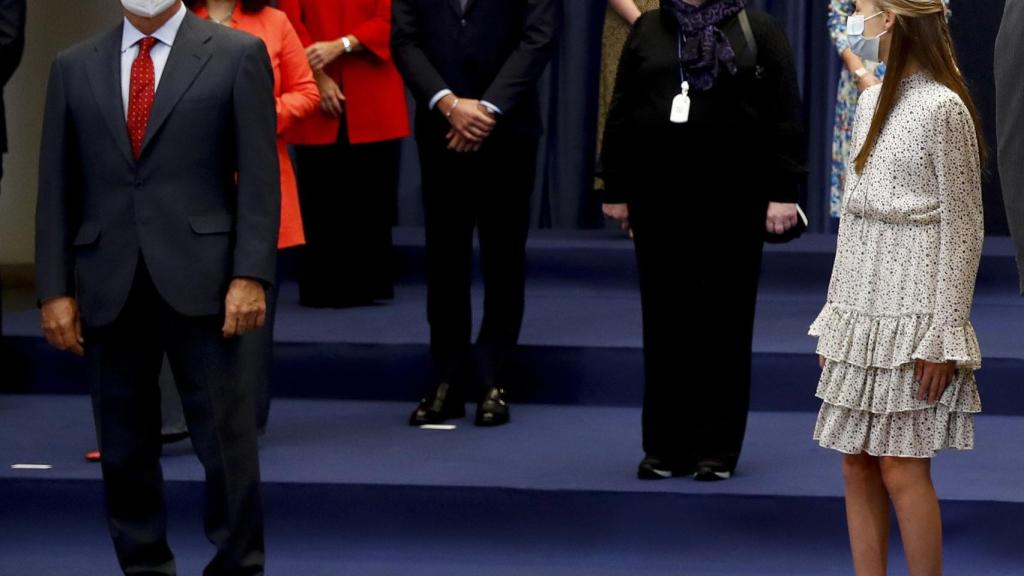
[[555, 448], [581, 335], [351, 490]]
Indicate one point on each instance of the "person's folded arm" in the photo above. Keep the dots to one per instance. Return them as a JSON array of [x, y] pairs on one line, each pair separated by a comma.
[[300, 96], [527, 62], [420, 75], [374, 34]]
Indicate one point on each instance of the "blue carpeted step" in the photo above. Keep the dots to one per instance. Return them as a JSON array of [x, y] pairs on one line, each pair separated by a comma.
[[351, 490], [581, 335]]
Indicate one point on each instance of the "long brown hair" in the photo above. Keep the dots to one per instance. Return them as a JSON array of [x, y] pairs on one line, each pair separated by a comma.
[[921, 34]]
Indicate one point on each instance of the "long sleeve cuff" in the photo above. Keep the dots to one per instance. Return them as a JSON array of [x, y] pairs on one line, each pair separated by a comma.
[[437, 98]]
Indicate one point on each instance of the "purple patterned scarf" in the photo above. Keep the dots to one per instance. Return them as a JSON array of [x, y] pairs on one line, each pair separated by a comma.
[[706, 48]]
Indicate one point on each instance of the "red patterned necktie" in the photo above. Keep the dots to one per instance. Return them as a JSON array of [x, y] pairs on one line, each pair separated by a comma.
[[140, 94]]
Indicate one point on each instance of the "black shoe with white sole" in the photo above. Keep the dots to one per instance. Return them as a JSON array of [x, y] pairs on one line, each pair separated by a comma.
[[652, 468], [712, 471]]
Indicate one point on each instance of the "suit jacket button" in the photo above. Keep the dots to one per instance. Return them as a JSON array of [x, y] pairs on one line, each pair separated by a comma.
[[463, 23]]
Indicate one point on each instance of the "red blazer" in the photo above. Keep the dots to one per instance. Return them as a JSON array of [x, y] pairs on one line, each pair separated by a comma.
[[375, 103], [296, 95]]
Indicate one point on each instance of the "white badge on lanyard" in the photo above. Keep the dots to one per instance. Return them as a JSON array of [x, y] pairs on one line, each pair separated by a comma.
[[681, 106]]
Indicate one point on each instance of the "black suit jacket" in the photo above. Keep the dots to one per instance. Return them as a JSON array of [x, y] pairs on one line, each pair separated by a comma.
[[495, 50], [202, 204], [12, 46]]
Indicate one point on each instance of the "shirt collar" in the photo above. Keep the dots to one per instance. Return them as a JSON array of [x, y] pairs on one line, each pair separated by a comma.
[[165, 34]]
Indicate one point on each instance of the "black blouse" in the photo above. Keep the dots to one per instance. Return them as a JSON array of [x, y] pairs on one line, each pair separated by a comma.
[[745, 132]]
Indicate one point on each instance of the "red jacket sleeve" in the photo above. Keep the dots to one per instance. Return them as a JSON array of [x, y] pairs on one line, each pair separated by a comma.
[[375, 33], [300, 96], [293, 8]]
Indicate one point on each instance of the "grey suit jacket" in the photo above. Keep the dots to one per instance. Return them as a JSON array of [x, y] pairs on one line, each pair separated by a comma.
[[202, 203], [1009, 73]]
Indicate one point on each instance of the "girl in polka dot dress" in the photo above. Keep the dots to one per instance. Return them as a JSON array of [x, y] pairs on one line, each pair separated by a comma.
[[897, 349]]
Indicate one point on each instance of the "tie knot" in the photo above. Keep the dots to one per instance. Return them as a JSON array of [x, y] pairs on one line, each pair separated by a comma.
[[146, 44]]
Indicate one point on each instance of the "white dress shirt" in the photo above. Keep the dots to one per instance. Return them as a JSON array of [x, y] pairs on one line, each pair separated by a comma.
[[159, 53], [437, 98]]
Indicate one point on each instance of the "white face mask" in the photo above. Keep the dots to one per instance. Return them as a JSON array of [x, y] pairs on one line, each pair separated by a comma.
[[866, 48], [147, 8]]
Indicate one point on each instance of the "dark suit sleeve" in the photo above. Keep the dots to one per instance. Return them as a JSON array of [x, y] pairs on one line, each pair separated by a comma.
[[57, 198], [1009, 63], [12, 37], [419, 73], [525, 65], [259, 182], [783, 113]]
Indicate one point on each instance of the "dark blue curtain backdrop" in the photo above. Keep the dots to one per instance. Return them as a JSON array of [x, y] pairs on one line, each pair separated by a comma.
[[563, 197]]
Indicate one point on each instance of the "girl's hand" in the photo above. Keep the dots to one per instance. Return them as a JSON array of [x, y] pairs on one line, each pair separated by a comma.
[[821, 361], [933, 379]]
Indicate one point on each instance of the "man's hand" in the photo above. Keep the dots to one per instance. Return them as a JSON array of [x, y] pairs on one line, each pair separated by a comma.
[[245, 307], [469, 118], [62, 325], [460, 144], [781, 217], [332, 101], [321, 54], [933, 379]]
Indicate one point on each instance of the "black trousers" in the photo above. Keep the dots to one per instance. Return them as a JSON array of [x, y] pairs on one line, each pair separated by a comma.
[[348, 194], [699, 269], [124, 362], [257, 352], [487, 191]]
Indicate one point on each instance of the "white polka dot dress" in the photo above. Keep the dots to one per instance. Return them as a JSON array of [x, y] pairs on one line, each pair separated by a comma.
[[910, 240]]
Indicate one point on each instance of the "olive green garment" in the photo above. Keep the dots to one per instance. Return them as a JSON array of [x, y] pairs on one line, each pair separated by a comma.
[[616, 30]]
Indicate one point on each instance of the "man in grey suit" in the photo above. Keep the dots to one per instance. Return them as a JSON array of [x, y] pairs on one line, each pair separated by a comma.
[[1009, 73], [157, 233]]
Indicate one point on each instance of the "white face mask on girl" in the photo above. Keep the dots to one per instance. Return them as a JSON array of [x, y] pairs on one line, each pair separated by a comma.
[[866, 48], [147, 8]]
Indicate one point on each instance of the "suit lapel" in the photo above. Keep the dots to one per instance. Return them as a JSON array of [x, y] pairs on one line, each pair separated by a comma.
[[469, 6], [190, 53], [456, 7], [104, 72]]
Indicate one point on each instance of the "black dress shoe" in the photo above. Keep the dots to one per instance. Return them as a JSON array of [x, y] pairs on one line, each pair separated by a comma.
[[651, 468], [712, 471], [493, 409], [445, 403]]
